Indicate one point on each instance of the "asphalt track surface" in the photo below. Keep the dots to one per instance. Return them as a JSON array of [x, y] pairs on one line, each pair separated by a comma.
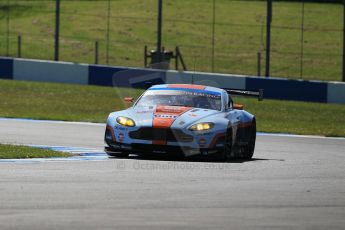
[[294, 182]]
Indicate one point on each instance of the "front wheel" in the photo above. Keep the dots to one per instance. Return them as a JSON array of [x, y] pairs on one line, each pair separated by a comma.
[[248, 150], [227, 153]]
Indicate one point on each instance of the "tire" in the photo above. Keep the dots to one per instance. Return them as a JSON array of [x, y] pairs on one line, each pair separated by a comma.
[[248, 150], [227, 153]]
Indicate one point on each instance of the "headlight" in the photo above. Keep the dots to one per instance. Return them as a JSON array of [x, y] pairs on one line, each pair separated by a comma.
[[125, 121], [202, 126]]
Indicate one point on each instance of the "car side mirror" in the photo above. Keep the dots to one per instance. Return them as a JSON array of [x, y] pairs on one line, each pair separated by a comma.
[[128, 99], [238, 106]]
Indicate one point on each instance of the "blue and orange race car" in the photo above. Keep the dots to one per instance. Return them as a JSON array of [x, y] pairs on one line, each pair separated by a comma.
[[183, 119]]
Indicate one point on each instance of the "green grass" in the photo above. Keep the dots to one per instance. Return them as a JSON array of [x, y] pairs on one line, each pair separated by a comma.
[[18, 152], [91, 103], [59, 101], [297, 117], [239, 34]]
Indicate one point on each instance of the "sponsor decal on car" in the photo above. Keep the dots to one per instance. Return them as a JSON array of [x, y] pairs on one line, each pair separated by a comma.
[[192, 114], [120, 128], [204, 134], [121, 137], [202, 142], [165, 116], [142, 112]]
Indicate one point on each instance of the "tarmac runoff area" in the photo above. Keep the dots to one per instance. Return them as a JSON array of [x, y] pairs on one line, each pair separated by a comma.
[[294, 182]]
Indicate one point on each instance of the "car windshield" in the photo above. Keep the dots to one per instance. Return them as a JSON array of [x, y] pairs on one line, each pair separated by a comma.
[[189, 98]]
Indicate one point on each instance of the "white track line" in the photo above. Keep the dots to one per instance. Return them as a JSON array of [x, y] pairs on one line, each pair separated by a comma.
[[299, 136]]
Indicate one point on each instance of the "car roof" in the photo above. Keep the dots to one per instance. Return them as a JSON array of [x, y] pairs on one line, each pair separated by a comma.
[[189, 86]]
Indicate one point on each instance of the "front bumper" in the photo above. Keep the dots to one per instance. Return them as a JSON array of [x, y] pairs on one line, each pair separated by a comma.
[[173, 142], [148, 149]]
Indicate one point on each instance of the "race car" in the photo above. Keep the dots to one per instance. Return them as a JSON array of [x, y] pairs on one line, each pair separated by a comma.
[[183, 119]]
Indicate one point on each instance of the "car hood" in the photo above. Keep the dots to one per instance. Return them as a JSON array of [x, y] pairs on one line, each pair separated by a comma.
[[169, 116]]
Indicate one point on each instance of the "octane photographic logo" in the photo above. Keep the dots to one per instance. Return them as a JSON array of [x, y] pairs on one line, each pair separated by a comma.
[[136, 164]]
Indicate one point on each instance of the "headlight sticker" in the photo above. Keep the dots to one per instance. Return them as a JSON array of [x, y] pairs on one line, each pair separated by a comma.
[[125, 121]]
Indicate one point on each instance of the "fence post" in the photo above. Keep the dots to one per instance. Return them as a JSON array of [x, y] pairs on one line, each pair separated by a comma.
[[19, 52], [8, 29], [96, 52], [57, 30], [213, 33], [145, 56], [344, 41], [259, 64], [176, 58], [302, 42], [268, 36], [108, 32], [178, 52], [159, 29]]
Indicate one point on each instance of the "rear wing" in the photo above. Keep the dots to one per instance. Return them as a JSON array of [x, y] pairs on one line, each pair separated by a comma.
[[248, 93]]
